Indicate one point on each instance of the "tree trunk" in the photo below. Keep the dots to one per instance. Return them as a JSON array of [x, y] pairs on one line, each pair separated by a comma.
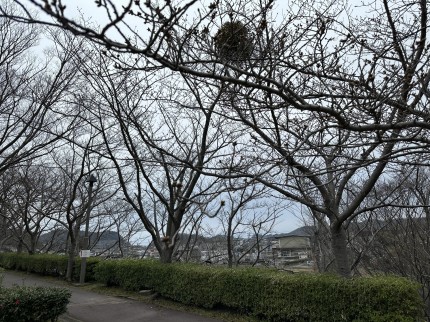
[[20, 246], [71, 253], [230, 244], [3, 231], [166, 254], [70, 261], [33, 243], [340, 251]]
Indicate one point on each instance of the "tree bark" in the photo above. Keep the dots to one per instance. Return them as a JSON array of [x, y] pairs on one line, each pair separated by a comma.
[[230, 243], [74, 240], [340, 251], [20, 246], [166, 254], [70, 261]]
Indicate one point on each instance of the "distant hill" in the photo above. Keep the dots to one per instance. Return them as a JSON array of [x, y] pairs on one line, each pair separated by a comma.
[[56, 240]]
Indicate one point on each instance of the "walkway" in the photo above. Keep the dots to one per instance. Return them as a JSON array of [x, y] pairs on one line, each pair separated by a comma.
[[86, 306]]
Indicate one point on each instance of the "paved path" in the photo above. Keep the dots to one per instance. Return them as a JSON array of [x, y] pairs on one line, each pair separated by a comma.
[[86, 306]]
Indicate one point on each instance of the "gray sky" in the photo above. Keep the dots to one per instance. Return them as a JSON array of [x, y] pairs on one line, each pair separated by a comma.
[[89, 12]]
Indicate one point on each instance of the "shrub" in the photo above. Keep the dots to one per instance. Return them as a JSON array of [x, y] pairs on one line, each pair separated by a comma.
[[32, 304], [130, 274], [91, 263], [269, 294], [46, 264]]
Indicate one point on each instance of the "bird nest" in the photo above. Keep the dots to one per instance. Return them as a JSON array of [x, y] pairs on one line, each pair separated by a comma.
[[233, 42]]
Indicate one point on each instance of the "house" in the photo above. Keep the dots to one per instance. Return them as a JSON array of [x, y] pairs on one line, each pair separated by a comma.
[[294, 247]]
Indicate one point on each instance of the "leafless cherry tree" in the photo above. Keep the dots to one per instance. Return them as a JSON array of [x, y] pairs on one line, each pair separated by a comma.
[[331, 96], [31, 205], [34, 90], [395, 239], [249, 214], [157, 145], [73, 164]]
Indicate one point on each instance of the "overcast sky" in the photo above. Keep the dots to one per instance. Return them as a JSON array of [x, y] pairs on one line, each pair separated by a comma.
[[88, 10]]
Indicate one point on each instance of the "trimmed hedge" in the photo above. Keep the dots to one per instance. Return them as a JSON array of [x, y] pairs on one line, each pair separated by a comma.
[[32, 304], [264, 293], [269, 294], [46, 264]]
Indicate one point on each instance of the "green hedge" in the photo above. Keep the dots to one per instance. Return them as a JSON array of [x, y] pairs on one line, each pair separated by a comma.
[[269, 294], [46, 264], [92, 262], [32, 304]]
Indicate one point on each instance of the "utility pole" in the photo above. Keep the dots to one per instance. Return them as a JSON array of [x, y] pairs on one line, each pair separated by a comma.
[[86, 242]]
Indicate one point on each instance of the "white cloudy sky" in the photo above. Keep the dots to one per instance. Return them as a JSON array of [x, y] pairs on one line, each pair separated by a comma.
[[88, 10]]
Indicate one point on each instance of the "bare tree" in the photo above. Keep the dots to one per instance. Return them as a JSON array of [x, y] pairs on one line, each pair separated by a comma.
[[129, 228], [158, 147], [330, 96], [34, 114], [32, 204], [7, 181], [35, 86], [73, 164], [249, 210], [395, 239], [189, 242]]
